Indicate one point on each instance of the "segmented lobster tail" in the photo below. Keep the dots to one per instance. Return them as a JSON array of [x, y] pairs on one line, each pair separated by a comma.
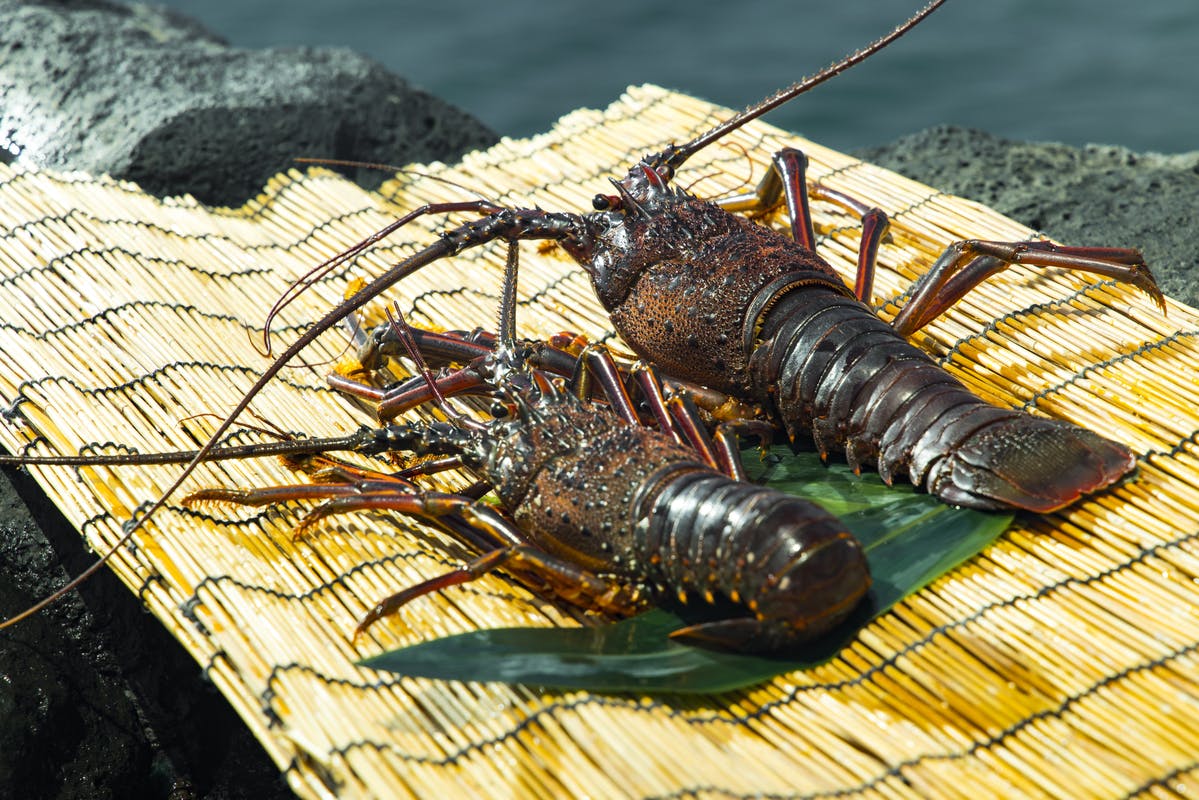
[[852, 381], [794, 568]]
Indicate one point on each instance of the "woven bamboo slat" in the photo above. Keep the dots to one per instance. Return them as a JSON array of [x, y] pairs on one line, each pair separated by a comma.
[[1061, 661]]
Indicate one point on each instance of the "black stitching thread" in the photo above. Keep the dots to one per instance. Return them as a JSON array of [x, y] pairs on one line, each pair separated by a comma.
[[137, 192], [151, 579], [1098, 365], [149, 377], [103, 317], [32, 226], [95, 519], [206, 673], [1163, 780], [591, 700], [1193, 438], [1069, 702], [145, 259], [341, 580], [27, 448], [893, 771], [1011, 316], [12, 412]]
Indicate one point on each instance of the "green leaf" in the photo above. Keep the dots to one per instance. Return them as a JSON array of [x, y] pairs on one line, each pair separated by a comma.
[[909, 538]]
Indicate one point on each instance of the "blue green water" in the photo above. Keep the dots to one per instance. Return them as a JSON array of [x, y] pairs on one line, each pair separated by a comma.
[[1076, 71]]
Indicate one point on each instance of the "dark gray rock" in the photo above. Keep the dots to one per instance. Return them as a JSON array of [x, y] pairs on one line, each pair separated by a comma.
[[71, 729], [97, 700], [1095, 195], [143, 93]]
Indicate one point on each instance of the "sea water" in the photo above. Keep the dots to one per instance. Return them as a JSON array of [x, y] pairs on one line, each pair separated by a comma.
[[1075, 71]]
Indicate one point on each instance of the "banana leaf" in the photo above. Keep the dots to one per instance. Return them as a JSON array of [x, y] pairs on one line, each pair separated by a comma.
[[909, 538]]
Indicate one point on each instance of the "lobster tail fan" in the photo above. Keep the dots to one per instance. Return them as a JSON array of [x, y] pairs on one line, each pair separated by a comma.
[[1027, 462]]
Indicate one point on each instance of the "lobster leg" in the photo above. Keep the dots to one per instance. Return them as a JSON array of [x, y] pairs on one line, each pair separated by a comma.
[[677, 416], [556, 356], [787, 180], [967, 263], [595, 362], [647, 379], [356, 492], [409, 394], [680, 417], [874, 227], [559, 355], [452, 347], [566, 579], [685, 418], [721, 450]]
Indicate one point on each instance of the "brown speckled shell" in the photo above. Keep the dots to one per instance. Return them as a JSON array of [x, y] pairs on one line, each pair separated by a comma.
[[578, 497], [693, 283]]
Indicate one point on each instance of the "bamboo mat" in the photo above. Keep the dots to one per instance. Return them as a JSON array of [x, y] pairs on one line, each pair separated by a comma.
[[1062, 661]]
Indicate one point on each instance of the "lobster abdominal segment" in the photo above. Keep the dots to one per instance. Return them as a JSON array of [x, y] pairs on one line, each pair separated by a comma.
[[829, 368]]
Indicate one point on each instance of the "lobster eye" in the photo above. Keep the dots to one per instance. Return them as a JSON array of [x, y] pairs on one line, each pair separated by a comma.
[[499, 410], [605, 202], [665, 172]]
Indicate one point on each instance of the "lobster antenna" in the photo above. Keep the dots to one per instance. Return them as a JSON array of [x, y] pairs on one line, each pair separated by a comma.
[[286, 447], [507, 326], [675, 156], [375, 165], [301, 284], [325, 267]]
